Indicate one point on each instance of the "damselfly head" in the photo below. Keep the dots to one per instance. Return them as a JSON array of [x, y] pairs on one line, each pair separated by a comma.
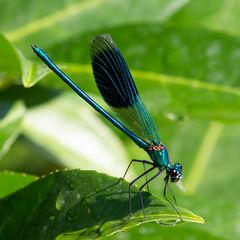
[[175, 173]]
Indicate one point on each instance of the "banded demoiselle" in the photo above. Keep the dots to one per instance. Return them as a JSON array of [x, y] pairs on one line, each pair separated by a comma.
[[129, 114]]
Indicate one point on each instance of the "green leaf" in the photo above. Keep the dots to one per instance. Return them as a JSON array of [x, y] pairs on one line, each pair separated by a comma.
[[9, 63], [71, 132], [153, 231], [80, 205], [31, 72], [25, 28], [186, 67], [10, 182], [54, 20], [218, 16], [180, 71], [10, 127]]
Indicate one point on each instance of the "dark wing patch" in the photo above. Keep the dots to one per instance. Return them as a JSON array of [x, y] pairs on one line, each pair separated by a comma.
[[118, 89], [111, 73]]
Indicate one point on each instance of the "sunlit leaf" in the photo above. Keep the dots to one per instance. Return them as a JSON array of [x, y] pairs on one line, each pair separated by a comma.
[[10, 127], [55, 20], [184, 56], [11, 182], [72, 133], [9, 63], [218, 16], [179, 73]]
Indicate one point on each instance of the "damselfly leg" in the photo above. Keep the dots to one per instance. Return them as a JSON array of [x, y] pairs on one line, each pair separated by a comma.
[[166, 180]]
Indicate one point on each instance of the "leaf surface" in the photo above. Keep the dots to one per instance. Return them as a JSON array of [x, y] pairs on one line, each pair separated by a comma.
[[80, 205]]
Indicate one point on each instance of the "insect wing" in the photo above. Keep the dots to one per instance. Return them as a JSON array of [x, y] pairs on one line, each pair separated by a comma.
[[118, 89]]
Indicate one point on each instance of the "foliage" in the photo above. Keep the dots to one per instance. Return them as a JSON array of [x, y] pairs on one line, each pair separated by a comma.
[[184, 57], [79, 205]]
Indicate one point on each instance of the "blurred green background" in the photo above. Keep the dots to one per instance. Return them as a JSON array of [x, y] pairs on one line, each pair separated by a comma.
[[184, 56]]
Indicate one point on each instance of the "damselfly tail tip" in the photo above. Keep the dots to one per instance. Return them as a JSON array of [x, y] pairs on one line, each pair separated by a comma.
[[37, 50], [180, 185], [34, 47]]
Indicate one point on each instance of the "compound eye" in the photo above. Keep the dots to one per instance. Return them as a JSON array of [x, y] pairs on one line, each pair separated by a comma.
[[178, 166]]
